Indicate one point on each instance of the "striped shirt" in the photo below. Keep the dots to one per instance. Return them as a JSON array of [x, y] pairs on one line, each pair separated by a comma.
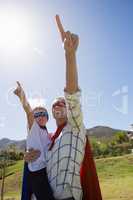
[[65, 158]]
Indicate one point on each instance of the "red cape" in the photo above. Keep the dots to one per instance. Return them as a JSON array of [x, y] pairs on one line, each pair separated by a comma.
[[88, 175]]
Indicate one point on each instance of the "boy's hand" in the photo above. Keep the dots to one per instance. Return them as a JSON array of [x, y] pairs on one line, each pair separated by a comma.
[[19, 90]]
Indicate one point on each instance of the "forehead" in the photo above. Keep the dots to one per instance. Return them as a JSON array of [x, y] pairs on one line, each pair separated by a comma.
[[39, 109], [59, 99], [59, 105]]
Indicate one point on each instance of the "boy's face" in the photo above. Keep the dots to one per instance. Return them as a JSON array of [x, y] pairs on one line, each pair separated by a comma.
[[41, 116]]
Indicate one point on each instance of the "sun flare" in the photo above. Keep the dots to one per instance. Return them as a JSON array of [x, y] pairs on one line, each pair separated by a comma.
[[14, 31]]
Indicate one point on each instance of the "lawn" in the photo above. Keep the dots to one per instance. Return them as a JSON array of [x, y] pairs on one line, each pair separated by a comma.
[[115, 175]]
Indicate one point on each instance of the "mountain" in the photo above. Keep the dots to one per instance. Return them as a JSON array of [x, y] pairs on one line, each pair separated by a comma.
[[98, 132], [6, 143], [103, 131]]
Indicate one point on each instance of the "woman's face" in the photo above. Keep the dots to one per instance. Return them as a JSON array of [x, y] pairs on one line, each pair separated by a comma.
[[59, 110], [41, 116]]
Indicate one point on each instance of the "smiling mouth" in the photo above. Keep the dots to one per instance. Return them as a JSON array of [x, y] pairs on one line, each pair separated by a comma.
[[58, 112]]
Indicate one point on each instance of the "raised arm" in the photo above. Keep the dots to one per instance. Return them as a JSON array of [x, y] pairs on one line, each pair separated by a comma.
[[71, 42], [19, 92], [72, 92]]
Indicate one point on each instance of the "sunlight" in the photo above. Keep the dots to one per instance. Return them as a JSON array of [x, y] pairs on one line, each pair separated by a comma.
[[36, 102], [17, 38], [14, 32]]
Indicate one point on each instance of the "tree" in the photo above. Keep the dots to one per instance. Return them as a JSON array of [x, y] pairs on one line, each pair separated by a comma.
[[4, 164], [121, 137]]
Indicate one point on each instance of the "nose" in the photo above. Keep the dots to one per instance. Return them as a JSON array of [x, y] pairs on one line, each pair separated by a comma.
[[41, 118]]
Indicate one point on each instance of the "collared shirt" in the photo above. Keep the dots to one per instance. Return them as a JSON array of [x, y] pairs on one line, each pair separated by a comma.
[[38, 139], [65, 158]]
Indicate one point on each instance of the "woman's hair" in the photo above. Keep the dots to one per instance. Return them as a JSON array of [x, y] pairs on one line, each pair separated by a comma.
[[58, 99]]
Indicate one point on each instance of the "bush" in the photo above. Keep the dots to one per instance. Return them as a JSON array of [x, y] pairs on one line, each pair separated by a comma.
[[118, 145]]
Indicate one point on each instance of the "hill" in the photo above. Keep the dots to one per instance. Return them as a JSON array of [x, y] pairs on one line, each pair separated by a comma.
[[98, 132], [5, 143], [103, 131]]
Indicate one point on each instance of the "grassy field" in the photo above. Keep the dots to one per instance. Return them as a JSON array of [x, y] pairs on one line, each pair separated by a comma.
[[13, 181], [115, 175]]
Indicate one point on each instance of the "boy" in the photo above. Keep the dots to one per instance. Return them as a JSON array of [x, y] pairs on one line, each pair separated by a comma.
[[36, 177]]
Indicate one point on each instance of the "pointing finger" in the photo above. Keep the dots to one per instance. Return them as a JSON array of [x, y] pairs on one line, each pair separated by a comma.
[[60, 27], [18, 84]]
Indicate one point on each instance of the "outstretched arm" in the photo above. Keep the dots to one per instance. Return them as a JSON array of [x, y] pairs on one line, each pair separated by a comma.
[[72, 92], [71, 42], [26, 106]]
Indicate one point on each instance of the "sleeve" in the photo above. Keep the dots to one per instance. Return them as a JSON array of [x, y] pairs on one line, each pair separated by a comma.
[[33, 126], [74, 111]]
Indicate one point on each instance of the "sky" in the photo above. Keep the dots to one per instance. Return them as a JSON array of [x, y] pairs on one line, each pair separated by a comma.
[[31, 52]]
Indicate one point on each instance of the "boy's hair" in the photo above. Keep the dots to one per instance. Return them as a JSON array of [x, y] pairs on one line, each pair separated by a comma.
[[41, 108]]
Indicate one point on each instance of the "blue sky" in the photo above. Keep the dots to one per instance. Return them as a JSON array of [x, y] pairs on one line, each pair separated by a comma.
[[31, 52]]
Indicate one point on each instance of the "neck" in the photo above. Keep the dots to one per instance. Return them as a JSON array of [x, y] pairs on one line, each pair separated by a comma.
[[43, 127], [60, 122]]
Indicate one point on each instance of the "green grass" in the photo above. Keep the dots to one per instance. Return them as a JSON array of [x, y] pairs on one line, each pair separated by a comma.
[[115, 175], [13, 181]]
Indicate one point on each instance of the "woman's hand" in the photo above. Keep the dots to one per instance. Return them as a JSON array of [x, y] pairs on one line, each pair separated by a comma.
[[70, 40], [32, 155]]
